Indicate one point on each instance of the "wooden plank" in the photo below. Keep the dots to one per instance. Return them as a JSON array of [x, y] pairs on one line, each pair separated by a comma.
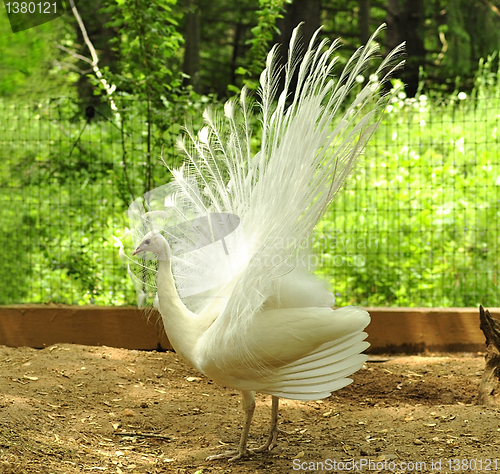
[[426, 330], [392, 330], [43, 325]]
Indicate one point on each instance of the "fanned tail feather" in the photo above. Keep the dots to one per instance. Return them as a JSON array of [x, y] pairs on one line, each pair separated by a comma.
[[313, 132]]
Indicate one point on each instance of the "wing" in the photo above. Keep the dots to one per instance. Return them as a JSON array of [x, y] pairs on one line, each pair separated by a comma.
[[300, 353]]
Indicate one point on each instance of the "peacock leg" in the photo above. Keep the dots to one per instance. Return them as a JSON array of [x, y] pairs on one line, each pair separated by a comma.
[[248, 401], [273, 434]]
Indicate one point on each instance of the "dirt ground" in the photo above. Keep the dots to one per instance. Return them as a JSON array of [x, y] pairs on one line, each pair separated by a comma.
[[72, 409]]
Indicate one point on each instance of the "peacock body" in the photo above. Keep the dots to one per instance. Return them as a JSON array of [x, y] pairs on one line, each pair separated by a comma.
[[234, 290]]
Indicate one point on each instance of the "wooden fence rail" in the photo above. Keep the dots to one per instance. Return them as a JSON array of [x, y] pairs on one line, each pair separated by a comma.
[[392, 330]]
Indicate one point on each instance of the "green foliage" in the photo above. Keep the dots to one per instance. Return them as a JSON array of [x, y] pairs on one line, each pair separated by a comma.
[[345, 20], [147, 42], [487, 79], [472, 32], [148, 46], [65, 187], [418, 224], [59, 206], [147, 74], [16, 230], [31, 64], [457, 35], [262, 38], [224, 29]]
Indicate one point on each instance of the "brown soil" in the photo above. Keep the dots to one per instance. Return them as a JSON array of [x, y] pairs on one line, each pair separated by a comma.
[[72, 409]]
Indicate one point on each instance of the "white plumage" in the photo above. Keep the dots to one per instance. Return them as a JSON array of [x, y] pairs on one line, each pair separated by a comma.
[[236, 296]]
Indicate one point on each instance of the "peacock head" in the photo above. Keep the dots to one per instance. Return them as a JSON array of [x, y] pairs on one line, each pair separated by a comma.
[[154, 242]]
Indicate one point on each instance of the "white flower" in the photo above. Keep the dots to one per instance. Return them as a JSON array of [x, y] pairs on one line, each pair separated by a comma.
[[462, 96]]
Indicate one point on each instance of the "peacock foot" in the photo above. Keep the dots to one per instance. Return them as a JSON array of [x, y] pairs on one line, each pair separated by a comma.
[[236, 455], [271, 442], [231, 455]]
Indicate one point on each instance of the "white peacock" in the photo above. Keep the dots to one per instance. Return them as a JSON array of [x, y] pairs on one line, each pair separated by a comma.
[[235, 301]]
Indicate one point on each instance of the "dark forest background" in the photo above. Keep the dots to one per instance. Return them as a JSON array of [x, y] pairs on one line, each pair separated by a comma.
[[162, 48]]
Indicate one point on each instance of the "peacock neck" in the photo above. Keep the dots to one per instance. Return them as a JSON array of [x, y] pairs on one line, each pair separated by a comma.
[[183, 327]]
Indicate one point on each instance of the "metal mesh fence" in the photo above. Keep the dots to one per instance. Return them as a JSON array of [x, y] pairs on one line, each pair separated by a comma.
[[66, 182], [417, 225], [419, 222]]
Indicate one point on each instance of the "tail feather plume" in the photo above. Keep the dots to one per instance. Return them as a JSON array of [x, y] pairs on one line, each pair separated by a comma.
[[236, 218]]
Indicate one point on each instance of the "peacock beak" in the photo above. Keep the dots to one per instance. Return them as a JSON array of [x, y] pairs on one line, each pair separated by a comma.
[[137, 250]]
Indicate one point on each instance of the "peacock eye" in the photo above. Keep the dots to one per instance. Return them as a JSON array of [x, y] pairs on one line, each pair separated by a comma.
[[147, 242]]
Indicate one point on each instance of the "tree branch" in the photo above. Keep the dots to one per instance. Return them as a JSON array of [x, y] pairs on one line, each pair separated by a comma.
[[75, 55], [95, 60], [493, 8], [489, 388]]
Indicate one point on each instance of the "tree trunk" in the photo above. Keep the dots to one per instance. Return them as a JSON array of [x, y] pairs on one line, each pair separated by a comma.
[[308, 11], [489, 389], [405, 22], [394, 34], [364, 20], [238, 30], [191, 65]]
